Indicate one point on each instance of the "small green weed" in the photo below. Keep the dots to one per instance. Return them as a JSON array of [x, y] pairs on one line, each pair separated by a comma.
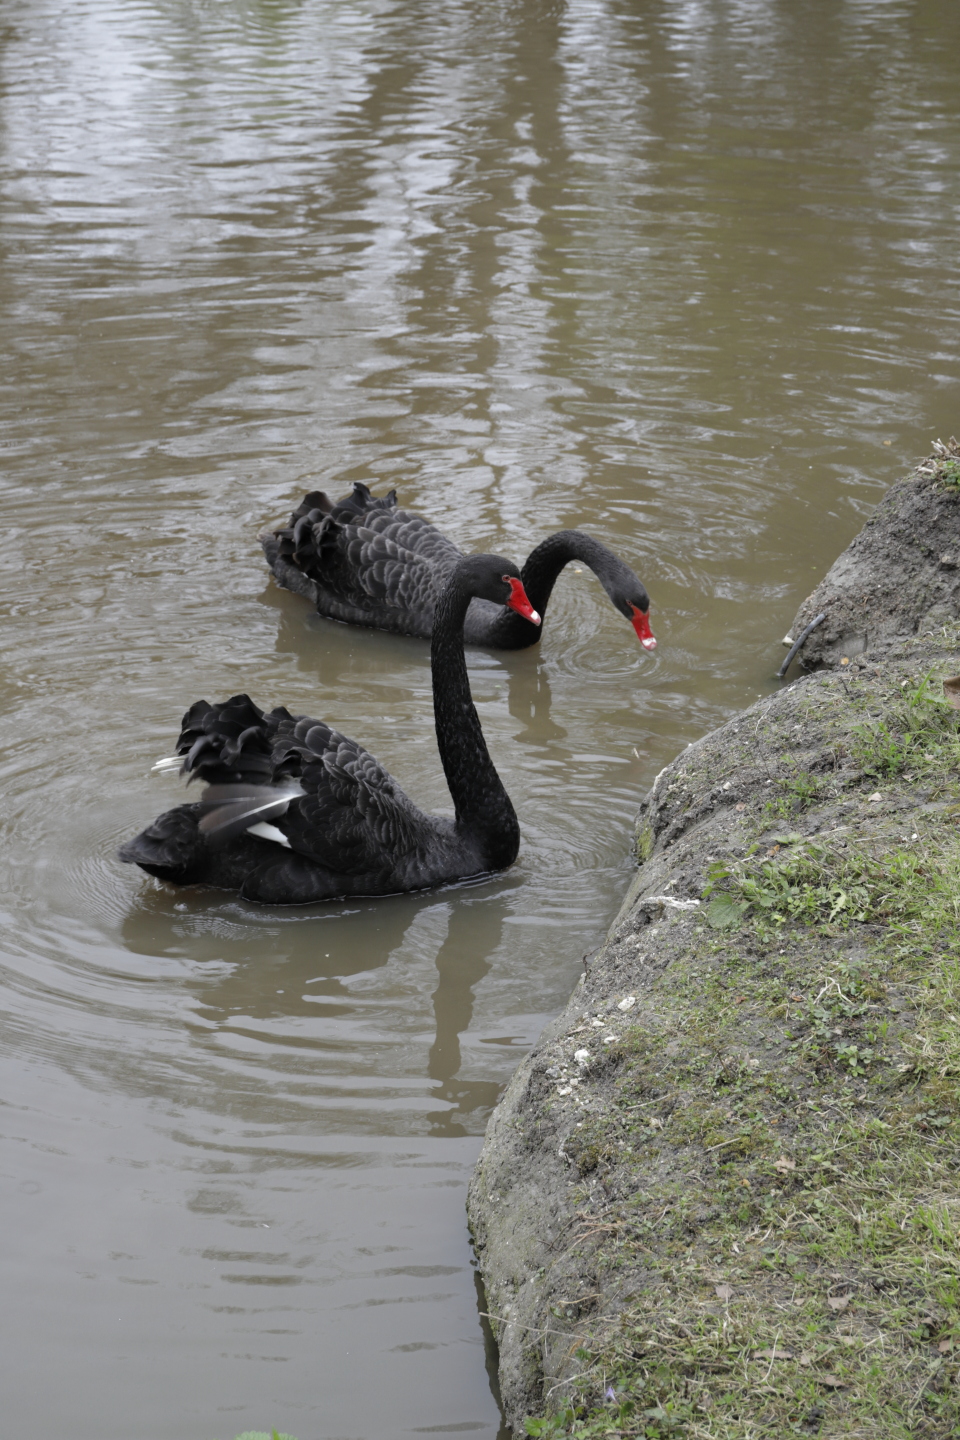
[[617, 1418], [796, 793], [838, 1028], [948, 474], [943, 466]]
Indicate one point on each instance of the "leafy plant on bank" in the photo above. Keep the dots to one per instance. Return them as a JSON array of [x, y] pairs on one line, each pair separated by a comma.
[[838, 884], [620, 1418], [949, 474]]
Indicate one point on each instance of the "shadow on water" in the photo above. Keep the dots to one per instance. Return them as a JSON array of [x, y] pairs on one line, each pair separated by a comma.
[[307, 636]]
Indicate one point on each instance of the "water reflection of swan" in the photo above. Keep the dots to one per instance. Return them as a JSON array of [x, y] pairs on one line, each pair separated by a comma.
[[237, 953], [463, 960], [529, 700], [260, 966], [349, 942]]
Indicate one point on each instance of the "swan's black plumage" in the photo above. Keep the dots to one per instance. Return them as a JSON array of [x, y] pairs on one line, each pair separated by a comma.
[[343, 825], [364, 561]]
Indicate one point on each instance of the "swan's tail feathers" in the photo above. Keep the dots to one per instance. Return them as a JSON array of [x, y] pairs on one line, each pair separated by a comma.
[[308, 543], [232, 809], [316, 503], [306, 551], [168, 763], [284, 543], [169, 848], [270, 543]]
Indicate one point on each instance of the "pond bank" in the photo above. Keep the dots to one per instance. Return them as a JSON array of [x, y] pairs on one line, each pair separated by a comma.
[[720, 1197]]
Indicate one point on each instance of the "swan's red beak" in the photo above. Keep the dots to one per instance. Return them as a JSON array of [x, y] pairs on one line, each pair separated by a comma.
[[641, 623], [518, 600]]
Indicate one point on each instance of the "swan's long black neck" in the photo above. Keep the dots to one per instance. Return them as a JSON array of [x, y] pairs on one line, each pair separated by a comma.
[[483, 809], [539, 576]]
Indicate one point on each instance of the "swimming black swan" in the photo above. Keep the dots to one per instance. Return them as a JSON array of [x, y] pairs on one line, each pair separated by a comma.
[[295, 812], [362, 560]]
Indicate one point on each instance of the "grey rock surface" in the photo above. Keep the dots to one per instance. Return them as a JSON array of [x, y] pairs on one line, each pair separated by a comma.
[[901, 573]]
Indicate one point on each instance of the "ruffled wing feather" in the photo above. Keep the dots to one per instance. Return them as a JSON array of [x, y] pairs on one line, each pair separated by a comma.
[[364, 559], [333, 801]]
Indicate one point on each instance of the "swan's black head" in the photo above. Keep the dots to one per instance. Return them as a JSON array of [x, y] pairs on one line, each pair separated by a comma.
[[491, 577], [632, 600]]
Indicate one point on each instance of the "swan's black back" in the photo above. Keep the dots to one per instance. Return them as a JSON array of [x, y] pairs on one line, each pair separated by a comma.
[[363, 560]]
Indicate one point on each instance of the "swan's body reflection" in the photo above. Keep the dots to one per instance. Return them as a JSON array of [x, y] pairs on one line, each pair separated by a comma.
[[463, 960], [305, 1005], [529, 701]]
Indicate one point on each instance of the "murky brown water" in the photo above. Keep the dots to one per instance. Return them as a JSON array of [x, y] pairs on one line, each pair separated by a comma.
[[685, 273]]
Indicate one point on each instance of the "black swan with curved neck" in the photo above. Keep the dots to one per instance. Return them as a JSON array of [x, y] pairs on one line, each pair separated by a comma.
[[364, 561], [295, 812]]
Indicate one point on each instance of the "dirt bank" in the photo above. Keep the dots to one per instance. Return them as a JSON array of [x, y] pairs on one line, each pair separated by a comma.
[[720, 1197]]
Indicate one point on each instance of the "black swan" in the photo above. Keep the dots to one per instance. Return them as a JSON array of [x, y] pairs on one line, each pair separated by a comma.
[[362, 560], [295, 812]]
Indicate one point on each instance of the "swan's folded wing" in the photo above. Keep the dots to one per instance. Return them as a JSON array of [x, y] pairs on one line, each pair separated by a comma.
[[365, 553], [352, 817], [415, 536], [386, 571]]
